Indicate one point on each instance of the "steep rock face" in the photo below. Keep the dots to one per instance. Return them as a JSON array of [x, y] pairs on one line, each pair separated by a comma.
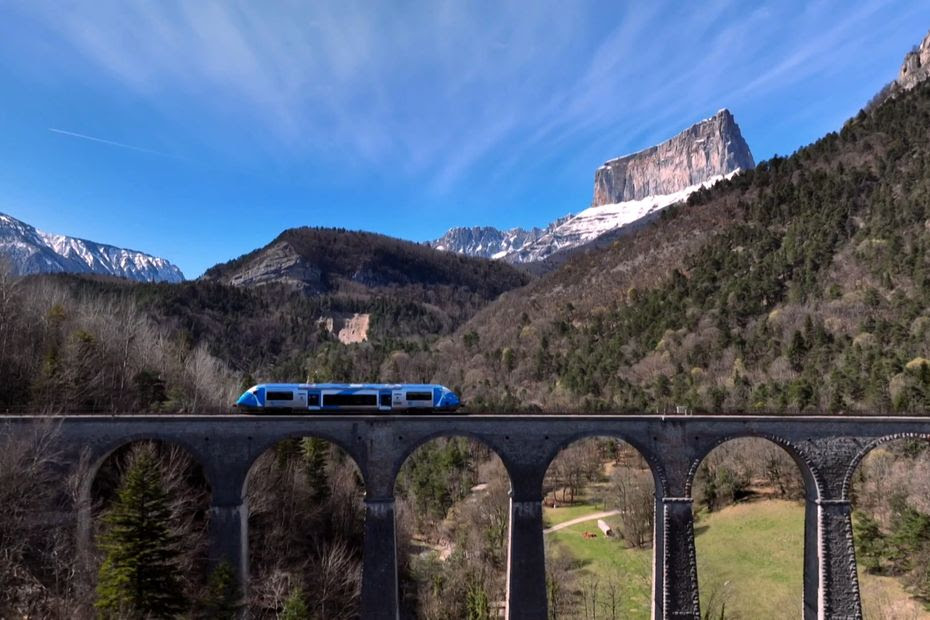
[[29, 251], [709, 149], [916, 66], [626, 190], [280, 263]]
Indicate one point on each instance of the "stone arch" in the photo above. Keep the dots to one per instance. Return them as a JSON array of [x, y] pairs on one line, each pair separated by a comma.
[[291, 499], [99, 455], [867, 448], [660, 480], [94, 457], [804, 527], [813, 484], [422, 440], [617, 560], [270, 442], [439, 518]]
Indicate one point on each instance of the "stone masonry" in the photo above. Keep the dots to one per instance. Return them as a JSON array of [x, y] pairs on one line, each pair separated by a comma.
[[826, 450]]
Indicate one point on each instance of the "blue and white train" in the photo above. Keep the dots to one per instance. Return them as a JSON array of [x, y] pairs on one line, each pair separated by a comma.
[[337, 397]]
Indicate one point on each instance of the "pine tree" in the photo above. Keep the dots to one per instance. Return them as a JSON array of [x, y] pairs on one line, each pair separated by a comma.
[[139, 575], [295, 607], [316, 454], [223, 594]]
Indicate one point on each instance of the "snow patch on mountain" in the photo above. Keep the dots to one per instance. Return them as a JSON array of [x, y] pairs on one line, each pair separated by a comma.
[[593, 222]]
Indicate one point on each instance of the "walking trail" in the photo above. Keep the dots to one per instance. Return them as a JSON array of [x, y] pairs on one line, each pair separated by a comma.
[[588, 517]]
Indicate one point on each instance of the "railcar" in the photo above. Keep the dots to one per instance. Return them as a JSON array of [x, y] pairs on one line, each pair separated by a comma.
[[347, 397]]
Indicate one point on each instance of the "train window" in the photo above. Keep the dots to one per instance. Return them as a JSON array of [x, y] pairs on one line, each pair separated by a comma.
[[313, 400], [385, 400], [350, 400], [419, 396], [280, 396]]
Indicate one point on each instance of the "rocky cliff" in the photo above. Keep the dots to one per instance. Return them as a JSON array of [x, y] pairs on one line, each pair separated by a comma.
[[706, 150], [916, 67], [29, 251], [626, 190]]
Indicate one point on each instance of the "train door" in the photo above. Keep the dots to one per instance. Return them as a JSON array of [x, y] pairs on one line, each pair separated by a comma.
[[384, 400]]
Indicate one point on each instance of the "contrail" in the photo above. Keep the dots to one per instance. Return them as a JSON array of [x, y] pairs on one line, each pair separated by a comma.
[[110, 142]]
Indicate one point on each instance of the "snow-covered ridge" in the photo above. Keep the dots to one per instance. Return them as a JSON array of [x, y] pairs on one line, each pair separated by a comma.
[[626, 190], [29, 251], [593, 222]]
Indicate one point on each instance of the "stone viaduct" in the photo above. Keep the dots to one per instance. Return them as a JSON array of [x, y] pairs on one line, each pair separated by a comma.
[[826, 450]]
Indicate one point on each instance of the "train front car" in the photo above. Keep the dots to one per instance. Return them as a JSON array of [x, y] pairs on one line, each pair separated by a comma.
[[347, 398]]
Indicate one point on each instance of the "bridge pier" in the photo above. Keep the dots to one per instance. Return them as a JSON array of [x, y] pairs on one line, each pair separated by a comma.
[[839, 581], [526, 562], [826, 449], [676, 586], [811, 601], [379, 561], [229, 540]]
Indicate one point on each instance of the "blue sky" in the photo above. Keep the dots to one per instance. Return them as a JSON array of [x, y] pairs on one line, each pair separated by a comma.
[[199, 130]]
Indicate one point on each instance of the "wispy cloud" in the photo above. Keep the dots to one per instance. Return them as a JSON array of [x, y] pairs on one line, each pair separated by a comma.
[[121, 145], [437, 91]]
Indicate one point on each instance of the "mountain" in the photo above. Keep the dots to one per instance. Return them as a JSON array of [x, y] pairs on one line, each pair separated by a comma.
[[916, 67], [328, 260], [626, 189], [800, 285], [31, 251], [914, 70], [704, 152], [486, 241]]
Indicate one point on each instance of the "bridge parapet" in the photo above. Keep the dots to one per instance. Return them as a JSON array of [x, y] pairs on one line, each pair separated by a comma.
[[826, 449]]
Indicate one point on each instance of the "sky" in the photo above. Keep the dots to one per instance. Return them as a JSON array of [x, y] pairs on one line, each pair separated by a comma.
[[198, 130]]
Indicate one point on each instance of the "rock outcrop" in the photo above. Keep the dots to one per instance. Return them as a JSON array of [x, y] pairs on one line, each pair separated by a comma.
[[709, 149], [626, 190], [916, 67], [30, 251]]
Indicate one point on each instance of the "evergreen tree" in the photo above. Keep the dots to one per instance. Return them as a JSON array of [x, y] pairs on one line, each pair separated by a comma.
[[222, 599], [295, 607], [869, 541], [315, 453], [139, 575]]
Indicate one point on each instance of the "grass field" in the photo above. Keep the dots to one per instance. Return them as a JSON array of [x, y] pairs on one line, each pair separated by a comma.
[[554, 516], [607, 560], [750, 559]]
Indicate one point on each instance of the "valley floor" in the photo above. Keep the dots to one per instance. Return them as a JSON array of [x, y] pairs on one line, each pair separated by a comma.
[[749, 564]]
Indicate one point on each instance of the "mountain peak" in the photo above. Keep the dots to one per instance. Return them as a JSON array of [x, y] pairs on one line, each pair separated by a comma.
[[31, 251], [711, 148], [916, 66]]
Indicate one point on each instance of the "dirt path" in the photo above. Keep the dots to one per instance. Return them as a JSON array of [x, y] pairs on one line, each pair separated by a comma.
[[588, 517]]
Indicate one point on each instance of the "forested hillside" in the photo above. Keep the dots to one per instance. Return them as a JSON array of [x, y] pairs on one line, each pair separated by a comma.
[[78, 343], [801, 285]]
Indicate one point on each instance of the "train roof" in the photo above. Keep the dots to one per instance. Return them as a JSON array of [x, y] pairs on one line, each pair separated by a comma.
[[352, 386]]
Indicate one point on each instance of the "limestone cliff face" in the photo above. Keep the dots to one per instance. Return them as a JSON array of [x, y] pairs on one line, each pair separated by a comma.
[[916, 67], [712, 148]]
